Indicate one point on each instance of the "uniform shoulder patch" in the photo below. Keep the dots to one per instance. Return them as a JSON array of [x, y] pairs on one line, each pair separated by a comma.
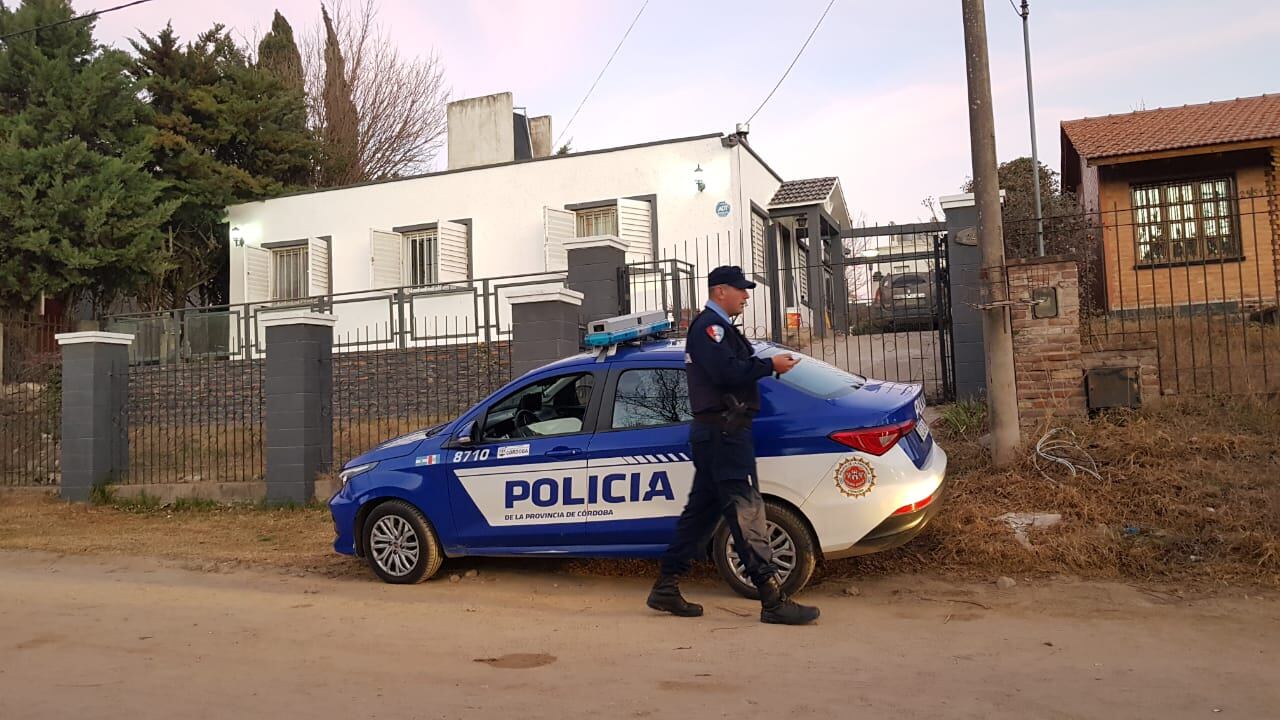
[[716, 332]]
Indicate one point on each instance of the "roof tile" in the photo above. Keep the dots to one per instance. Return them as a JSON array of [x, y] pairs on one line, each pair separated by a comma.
[[1212, 123], [812, 190]]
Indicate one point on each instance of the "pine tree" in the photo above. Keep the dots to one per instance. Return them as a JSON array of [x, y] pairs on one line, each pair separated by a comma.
[[79, 216], [341, 119], [227, 132], [278, 53]]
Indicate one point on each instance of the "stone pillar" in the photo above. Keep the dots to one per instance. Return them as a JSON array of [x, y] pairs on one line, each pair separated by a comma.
[[298, 388], [544, 326], [594, 268], [963, 264], [95, 395]]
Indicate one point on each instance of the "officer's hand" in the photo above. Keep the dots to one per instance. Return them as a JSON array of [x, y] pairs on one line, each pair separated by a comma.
[[784, 362]]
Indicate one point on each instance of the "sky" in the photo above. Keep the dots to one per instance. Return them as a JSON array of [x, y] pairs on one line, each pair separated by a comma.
[[878, 98]]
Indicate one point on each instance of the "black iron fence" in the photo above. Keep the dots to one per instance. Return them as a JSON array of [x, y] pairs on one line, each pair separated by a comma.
[[478, 311], [883, 310], [30, 401], [385, 390], [201, 420], [1195, 280]]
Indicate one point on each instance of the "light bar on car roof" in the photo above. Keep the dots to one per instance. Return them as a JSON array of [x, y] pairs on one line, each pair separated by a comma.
[[624, 328]]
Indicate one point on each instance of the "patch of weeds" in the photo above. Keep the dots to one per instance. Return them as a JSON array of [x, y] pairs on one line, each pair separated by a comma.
[[965, 416], [102, 494]]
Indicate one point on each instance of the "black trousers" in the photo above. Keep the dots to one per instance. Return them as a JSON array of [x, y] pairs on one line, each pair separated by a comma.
[[725, 485]]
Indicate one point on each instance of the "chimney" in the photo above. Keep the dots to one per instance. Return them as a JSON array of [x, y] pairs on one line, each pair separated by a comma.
[[489, 130], [540, 132]]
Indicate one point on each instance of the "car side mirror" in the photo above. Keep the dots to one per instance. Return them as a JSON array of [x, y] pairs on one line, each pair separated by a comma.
[[466, 435]]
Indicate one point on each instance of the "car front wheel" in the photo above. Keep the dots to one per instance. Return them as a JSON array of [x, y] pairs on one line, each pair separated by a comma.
[[400, 544], [793, 552]]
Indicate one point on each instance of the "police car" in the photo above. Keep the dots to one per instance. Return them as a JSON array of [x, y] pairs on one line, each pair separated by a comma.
[[589, 457]]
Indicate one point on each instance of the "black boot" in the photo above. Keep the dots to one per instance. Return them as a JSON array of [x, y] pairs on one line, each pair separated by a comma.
[[778, 609], [665, 596]]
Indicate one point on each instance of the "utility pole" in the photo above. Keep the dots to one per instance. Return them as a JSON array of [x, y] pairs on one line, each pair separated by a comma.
[[997, 333], [1031, 110]]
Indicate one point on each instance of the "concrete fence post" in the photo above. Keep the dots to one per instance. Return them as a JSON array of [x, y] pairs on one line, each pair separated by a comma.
[[963, 263], [544, 326], [595, 265], [298, 388], [95, 394]]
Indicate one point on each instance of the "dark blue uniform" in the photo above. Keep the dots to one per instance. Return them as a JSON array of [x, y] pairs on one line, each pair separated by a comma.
[[722, 374]]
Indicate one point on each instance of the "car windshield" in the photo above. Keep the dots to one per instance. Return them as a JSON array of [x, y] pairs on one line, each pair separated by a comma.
[[814, 376]]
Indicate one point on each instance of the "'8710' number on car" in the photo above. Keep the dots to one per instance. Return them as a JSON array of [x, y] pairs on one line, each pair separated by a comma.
[[464, 456]]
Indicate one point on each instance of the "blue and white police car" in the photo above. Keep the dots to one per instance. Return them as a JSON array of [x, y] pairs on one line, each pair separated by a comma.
[[589, 457]]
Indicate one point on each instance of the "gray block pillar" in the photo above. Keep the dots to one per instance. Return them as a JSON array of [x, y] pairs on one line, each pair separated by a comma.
[[817, 278], [298, 388], [95, 395], [963, 271], [594, 268], [544, 326]]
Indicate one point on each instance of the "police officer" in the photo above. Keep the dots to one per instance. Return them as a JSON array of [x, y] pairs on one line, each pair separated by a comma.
[[722, 374]]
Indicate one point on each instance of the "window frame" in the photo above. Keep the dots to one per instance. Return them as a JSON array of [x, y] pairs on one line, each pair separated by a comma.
[[589, 417], [1165, 223], [610, 397], [423, 236], [595, 213], [295, 249]]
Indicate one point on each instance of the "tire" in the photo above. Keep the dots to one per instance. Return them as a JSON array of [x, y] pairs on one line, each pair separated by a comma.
[[802, 550], [398, 519]]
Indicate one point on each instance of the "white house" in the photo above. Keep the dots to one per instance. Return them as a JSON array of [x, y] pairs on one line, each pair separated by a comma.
[[506, 207]]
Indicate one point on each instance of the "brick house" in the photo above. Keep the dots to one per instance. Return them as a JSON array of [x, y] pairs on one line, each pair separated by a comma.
[[1186, 198]]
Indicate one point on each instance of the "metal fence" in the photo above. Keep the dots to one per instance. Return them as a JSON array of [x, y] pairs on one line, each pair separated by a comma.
[[30, 401], [386, 390], [1196, 281], [478, 311], [902, 336], [200, 420]]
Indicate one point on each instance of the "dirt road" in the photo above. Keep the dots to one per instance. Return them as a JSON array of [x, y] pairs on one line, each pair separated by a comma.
[[112, 637]]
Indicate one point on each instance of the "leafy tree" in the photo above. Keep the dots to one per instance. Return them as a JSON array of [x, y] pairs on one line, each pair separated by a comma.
[[341, 119], [226, 132], [79, 215]]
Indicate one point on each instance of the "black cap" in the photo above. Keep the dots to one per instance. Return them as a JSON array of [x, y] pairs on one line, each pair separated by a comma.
[[729, 275]]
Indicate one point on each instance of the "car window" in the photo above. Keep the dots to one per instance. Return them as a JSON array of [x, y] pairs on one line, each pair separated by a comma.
[[652, 396], [815, 377], [908, 280], [553, 406]]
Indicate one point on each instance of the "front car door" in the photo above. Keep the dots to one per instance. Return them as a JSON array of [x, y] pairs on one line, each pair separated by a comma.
[[639, 462], [519, 486]]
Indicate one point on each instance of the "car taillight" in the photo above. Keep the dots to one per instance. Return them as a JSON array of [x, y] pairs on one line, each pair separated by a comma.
[[915, 506], [877, 300], [877, 440]]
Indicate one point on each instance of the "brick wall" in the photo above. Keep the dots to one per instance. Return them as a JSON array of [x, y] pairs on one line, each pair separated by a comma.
[[1132, 350], [1273, 210], [1047, 362]]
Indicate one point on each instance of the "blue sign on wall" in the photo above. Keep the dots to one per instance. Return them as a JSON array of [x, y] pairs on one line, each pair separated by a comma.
[[722, 209]]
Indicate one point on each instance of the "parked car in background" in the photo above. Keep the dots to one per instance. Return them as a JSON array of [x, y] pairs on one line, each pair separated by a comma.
[[904, 300]]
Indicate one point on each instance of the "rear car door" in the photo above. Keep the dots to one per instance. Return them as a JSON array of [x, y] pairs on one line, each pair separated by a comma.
[[638, 460], [520, 486]]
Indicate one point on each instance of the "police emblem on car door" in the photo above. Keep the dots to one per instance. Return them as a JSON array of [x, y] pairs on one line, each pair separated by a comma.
[[521, 482]]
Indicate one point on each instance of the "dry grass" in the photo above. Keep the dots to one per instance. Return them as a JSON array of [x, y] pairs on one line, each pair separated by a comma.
[[1190, 493]]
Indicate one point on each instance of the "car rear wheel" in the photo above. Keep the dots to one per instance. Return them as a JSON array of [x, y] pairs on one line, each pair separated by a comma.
[[400, 544], [793, 552]]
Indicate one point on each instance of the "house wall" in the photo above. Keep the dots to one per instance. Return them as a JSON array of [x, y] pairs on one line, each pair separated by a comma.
[[1128, 287]]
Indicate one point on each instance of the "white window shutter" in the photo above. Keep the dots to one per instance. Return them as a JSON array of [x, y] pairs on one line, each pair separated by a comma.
[[385, 265], [452, 252], [635, 228], [318, 280], [257, 274], [557, 227]]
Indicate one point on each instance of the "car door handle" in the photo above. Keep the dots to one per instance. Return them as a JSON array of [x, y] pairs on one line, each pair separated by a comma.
[[563, 452]]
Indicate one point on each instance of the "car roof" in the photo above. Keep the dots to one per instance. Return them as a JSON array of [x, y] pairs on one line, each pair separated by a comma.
[[655, 351]]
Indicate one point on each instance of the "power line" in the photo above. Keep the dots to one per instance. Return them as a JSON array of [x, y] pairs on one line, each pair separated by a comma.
[[793, 61], [86, 16], [606, 67]]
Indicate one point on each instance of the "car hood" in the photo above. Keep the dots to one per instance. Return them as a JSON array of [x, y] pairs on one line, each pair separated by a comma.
[[401, 446]]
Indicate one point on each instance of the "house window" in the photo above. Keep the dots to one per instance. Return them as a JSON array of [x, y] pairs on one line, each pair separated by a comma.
[[289, 273], [1185, 221], [598, 221], [420, 257]]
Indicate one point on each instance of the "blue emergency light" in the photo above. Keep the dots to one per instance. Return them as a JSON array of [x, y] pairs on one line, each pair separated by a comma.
[[614, 331]]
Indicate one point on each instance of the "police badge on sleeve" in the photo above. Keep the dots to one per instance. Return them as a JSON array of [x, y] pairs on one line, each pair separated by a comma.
[[716, 332]]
